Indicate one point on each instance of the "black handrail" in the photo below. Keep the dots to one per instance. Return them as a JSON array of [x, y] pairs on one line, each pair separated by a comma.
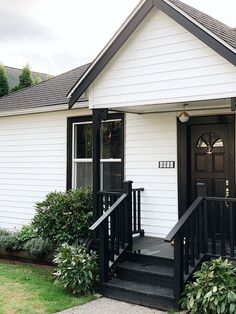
[[107, 213], [182, 221], [114, 228], [206, 229]]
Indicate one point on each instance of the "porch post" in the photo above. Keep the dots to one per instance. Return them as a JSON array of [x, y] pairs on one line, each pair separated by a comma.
[[201, 189], [98, 116]]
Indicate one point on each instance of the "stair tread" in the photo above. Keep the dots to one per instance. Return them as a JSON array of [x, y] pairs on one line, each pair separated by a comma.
[[148, 268], [141, 288]]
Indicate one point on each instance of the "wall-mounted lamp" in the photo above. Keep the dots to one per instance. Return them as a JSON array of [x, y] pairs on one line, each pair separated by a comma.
[[184, 116]]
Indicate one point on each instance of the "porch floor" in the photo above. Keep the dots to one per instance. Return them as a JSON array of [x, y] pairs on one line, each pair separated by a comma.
[[153, 247]]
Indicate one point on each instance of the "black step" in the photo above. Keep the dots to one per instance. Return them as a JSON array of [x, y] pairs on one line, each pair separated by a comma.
[[149, 259], [139, 293], [159, 275]]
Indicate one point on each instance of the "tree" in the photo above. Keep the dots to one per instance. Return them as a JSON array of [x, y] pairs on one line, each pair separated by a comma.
[[37, 79], [4, 85], [25, 78]]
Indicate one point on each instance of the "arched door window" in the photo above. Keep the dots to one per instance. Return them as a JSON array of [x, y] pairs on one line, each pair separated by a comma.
[[209, 140]]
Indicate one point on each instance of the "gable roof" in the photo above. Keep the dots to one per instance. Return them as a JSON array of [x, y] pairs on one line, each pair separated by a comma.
[[13, 75], [48, 93], [223, 31], [212, 32]]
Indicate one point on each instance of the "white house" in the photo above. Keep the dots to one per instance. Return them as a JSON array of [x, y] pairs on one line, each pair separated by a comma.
[[167, 60]]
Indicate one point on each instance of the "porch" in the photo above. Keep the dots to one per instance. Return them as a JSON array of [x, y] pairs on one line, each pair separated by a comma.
[[152, 271]]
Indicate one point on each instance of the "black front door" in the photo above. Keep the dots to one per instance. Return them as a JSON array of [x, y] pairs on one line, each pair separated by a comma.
[[209, 156], [206, 154]]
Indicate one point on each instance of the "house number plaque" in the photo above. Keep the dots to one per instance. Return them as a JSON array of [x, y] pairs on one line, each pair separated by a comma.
[[166, 164]]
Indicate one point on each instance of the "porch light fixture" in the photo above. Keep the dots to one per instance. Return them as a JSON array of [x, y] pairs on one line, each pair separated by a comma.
[[184, 116]]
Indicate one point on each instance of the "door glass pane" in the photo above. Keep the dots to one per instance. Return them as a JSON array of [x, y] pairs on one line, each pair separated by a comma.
[[111, 175], [83, 173], [111, 139], [83, 141]]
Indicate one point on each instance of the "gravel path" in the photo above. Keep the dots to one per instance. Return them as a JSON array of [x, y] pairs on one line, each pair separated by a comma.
[[109, 306]]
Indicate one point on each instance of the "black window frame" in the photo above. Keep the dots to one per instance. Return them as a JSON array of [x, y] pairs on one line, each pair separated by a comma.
[[77, 119]]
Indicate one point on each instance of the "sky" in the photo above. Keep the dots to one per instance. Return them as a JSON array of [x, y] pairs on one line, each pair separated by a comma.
[[54, 36]]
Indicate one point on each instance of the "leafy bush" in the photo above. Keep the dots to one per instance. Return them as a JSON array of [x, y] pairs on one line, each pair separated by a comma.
[[10, 241], [38, 247], [4, 232], [213, 290], [77, 269], [64, 217], [27, 233]]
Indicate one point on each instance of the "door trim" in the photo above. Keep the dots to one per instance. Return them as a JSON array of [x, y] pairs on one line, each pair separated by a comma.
[[182, 153]]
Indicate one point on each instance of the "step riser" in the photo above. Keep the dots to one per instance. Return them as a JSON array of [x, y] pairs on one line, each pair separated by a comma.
[[152, 279], [151, 260], [138, 298]]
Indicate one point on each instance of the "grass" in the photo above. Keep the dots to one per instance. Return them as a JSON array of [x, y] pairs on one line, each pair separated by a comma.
[[29, 289]]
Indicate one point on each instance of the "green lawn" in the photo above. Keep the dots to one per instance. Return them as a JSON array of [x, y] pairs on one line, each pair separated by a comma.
[[29, 289]]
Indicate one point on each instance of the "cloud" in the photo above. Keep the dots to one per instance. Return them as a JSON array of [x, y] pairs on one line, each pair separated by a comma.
[[18, 27]]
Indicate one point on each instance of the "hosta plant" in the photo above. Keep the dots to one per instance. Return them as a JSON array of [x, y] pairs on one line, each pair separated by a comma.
[[213, 290], [77, 269]]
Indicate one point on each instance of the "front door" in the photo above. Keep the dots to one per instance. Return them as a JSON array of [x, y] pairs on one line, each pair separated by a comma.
[[206, 154], [209, 156]]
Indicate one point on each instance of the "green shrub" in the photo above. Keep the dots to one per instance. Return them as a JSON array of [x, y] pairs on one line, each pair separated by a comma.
[[77, 269], [213, 290], [4, 232], [64, 217], [38, 247], [10, 241], [26, 233]]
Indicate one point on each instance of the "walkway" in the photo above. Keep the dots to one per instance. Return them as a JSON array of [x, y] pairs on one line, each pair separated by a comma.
[[108, 306]]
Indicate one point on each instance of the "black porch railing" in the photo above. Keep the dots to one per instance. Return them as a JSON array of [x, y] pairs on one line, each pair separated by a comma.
[[136, 207], [114, 227], [206, 229], [107, 198]]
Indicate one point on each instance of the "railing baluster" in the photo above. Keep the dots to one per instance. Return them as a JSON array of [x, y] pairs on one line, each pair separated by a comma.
[[222, 219], [197, 232], [134, 212], [112, 242], [192, 239], [205, 226], [186, 250], [139, 210], [231, 229], [213, 228]]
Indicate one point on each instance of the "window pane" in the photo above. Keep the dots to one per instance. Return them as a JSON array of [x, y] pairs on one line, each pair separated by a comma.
[[83, 141], [111, 139], [83, 174], [111, 175]]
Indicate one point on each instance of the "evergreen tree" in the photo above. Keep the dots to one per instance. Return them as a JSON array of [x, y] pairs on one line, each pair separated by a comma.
[[37, 79], [25, 78], [4, 85]]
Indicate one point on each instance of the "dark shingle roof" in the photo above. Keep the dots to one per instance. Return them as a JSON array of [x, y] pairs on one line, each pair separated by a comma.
[[13, 75], [47, 93], [224, 32]]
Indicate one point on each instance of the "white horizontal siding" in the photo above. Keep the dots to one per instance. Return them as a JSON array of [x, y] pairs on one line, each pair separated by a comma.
[[161, 63], [32, 162], [148, 139]]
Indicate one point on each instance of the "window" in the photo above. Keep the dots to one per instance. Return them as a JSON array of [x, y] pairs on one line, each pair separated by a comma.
[[111, 161], [209, 141]]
